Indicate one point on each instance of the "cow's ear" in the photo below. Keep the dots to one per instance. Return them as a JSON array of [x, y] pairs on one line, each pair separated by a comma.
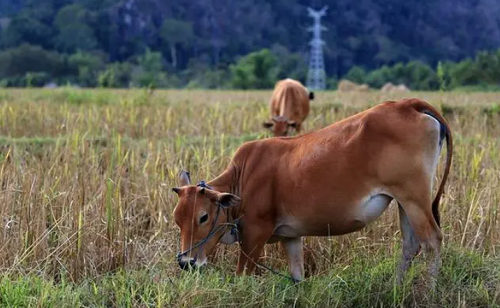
[[311, 96], [267, 124], [228, 200], [176, 190], [292, 124], [184, 178]]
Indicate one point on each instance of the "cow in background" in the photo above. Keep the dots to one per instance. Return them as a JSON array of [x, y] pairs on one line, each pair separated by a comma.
[[289, 107]]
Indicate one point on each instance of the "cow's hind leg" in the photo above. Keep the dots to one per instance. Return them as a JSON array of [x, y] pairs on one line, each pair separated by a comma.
[[410, 245], [419, 214], [295, 257]]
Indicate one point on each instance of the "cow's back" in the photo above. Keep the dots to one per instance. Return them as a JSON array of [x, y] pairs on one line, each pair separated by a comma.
[[290, 99], [304, 176]]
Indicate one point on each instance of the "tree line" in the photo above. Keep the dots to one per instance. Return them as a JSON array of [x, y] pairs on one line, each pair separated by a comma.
[[246, 43], [33, 66]]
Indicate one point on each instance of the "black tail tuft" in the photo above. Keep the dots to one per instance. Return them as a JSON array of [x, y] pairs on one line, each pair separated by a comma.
[[311, 96], [435, 212], [442, 133]]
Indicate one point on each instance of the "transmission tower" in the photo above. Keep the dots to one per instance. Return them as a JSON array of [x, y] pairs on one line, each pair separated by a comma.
[[316, 74]]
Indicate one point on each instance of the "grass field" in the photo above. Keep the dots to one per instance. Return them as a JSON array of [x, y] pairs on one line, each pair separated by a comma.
[[86, 204]]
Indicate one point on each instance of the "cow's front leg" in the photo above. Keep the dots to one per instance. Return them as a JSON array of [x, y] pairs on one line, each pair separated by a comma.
[[254, 238], [295, 256]]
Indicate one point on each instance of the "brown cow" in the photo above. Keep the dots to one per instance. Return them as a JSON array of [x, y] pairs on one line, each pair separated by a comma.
[[329, 182], [289, 107]]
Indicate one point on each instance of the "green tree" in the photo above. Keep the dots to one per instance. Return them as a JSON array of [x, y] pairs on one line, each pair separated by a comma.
[[288, 64], [116, 75], [201, 75], [17, 62], [254, 71], [74, 31], [149, 72], [488, 67], [356, 74], [176, 32], [24, 29], [378, 78], [88, 66], [442, 76], [416, 75], [420, 76], [464, 73]]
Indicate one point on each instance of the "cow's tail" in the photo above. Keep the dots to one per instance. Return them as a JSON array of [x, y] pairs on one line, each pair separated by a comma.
[[426, 108]]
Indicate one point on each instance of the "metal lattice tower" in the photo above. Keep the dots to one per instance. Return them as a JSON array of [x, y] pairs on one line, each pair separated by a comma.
[[316, 74]]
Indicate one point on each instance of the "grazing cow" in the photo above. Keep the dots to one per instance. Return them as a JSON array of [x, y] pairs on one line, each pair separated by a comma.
[[329, 182], [289, 107]]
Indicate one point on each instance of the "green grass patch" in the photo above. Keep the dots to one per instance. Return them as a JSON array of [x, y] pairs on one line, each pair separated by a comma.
[[492, 110], [466, 279]]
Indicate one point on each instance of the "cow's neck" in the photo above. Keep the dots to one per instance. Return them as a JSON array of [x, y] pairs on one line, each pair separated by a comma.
[[228, 182]]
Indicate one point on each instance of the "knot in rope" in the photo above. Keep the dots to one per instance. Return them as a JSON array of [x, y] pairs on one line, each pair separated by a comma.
[[203, 184]]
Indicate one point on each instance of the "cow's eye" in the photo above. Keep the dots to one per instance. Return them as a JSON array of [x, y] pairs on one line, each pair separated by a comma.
[[203, 218]]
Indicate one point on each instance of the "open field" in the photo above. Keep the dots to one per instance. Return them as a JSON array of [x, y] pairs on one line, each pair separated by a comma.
[[86, 204]]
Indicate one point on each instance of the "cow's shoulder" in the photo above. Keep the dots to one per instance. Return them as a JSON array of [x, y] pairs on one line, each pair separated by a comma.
[[262, 150]]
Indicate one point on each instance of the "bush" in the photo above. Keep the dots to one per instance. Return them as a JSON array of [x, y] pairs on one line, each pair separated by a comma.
[[200, 75], [38, 79], [254, 71], [87, 67], [443, 76], [332, 83], [209, 79], [116, 75], [379, 77], [421, 76], [356, 74], [149, 72], [482, 72], [414, 74], [15, 63]]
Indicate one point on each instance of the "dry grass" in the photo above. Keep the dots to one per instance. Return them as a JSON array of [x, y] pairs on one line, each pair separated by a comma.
[[86, 177]]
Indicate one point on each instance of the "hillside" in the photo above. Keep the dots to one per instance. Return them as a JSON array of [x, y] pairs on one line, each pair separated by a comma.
[[216, 32]]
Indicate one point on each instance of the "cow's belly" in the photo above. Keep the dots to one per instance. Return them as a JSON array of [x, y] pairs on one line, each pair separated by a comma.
[[333, 220]]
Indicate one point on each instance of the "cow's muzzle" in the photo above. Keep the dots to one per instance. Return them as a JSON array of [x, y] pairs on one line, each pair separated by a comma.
[[187, 263]]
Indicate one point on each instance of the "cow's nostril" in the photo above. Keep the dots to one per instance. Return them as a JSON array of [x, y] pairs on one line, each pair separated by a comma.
[[187, 265], [184, 265]]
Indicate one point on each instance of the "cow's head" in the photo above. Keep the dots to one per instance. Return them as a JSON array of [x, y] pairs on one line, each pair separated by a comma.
[[201, 214], [280, 126]]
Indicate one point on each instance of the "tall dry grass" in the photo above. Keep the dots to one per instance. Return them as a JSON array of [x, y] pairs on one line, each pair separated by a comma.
[[86, 175]]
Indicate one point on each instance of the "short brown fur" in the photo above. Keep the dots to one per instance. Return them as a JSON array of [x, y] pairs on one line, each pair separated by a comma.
[[330, 182], [289, 107]]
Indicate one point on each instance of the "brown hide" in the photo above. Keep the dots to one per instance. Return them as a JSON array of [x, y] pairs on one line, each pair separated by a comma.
[[289, 107], [335, 181]]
